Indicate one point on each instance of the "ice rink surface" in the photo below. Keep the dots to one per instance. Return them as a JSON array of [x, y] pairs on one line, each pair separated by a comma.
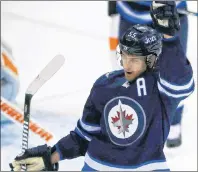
[[37, 31]]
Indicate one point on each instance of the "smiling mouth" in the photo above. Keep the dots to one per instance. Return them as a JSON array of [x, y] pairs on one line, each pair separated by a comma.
[[129, 73]]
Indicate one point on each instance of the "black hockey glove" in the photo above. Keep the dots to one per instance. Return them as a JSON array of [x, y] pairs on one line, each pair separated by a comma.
[[35, 159], [165, 17]]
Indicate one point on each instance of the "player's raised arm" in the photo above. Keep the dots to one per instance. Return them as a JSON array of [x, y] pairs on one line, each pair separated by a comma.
[[175, 71]]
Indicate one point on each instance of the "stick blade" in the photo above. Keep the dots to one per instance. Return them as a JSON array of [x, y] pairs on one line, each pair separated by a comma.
[[50, 69]]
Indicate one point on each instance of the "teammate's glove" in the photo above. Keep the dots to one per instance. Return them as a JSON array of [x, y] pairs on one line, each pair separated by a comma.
[[35, 159], [165, 17]]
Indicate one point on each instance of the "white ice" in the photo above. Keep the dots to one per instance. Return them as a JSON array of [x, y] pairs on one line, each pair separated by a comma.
[[39, 30]]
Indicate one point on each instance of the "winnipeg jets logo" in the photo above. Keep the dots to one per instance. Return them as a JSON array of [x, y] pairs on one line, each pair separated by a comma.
[[125, 120], [125, 47], [21, 154], [126, 84], [122, 121]]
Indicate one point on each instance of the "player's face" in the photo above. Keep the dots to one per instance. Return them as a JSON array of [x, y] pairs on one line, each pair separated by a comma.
[[133, 65]]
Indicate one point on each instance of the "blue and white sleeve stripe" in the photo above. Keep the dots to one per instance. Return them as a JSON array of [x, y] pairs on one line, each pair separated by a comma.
[[133, 16], [175, 91], [83, 134], [86, 130], [90, 128]]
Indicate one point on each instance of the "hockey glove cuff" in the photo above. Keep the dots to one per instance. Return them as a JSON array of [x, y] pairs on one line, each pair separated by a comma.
[[35, 159]]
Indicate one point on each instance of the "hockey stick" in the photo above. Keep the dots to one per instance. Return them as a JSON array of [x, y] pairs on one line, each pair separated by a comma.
[[15, 114], [52, 67]]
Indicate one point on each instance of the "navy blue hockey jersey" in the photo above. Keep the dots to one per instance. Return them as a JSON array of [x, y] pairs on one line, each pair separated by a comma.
[[125, 124], [139, 11]]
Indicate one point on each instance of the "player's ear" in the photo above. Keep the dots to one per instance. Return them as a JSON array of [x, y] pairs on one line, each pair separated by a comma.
[[151, 61]]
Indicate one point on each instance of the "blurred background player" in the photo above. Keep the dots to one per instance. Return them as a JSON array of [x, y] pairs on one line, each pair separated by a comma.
[[124, 14], [9, 77]]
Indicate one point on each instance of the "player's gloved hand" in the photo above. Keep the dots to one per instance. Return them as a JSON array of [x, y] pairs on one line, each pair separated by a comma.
[[165, 17], [35, 159]]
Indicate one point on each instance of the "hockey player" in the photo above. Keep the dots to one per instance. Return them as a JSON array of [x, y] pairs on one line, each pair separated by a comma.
[[126, 118], [9, 76], [124, 14]]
